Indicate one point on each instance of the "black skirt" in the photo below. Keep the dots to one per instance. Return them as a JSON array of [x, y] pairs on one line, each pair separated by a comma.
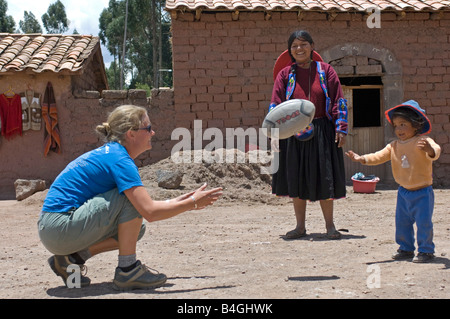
[[311, 170]]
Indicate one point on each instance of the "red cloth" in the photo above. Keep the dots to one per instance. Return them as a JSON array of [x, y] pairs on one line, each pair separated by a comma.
[[52, 140], [11, 115]]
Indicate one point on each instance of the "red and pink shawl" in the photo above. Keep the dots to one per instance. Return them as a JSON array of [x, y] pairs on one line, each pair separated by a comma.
[[11, 115]]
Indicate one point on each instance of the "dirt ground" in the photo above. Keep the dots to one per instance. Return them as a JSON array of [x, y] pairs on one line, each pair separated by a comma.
[[236, 250]]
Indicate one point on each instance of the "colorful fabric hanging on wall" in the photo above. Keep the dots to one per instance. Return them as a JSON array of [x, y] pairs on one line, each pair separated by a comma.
[[11, 115], [31, 111]]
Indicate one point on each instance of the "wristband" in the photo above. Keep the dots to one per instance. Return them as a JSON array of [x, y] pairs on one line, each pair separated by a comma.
[[195, 203]]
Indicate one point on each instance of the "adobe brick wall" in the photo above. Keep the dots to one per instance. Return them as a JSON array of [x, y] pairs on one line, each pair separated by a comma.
[[223, 64]]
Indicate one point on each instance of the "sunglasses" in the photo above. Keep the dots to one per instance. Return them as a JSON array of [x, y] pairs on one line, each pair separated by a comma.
[[147, 128]]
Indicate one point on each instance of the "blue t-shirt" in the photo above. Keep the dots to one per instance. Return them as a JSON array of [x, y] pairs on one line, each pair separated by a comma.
[[93, 173]]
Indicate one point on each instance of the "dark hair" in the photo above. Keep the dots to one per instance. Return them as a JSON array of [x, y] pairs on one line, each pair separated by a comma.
[[299, 34], [411, 116]]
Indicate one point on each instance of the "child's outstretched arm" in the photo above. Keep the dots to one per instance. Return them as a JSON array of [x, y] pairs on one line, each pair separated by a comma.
[[355, 157], [377, 158]]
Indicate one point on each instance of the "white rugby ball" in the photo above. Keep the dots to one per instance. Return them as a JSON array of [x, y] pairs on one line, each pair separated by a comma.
[[289, 117]]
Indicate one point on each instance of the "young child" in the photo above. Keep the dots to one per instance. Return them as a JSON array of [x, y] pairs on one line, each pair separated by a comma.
[[411, 159]]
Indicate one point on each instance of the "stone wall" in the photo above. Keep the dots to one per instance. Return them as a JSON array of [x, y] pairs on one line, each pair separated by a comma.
[[160, 109]]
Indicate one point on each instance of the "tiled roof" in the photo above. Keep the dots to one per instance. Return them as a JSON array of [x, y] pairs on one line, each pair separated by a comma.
[[39, 53], [311, 5]]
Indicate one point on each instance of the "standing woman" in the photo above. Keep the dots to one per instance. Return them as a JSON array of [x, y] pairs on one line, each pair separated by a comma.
[[311, 162], [98, 202]]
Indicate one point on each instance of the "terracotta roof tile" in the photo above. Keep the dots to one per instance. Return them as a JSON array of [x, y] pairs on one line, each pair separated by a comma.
[[322, 5], [40, 53]]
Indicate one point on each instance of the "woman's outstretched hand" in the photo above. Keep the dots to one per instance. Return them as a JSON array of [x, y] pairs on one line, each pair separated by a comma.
[[203, 197]]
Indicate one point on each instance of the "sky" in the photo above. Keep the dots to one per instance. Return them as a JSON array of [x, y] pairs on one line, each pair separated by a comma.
[[83, 15]]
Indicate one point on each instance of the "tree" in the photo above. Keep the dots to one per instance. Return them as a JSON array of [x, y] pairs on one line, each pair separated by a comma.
[[150, 49], [29, 24], [111, 25], [55, 19], [147, 45], [7, 23], [111, 74]]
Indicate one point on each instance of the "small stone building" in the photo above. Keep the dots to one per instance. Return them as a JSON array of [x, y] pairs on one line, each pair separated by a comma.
[[73, 64], [28, 63], [385, 52]]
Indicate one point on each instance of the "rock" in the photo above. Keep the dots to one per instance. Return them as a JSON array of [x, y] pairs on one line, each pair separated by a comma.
[[26, 188], [169, 179]]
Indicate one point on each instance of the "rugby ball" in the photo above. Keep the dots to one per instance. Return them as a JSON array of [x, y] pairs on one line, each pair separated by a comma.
[[289, 117]]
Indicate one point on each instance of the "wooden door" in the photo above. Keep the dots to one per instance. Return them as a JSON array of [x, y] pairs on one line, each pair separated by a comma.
[[363, 139]]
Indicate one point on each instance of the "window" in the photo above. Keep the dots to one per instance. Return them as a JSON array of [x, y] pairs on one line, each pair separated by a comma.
[[366, 100], [366, 107]]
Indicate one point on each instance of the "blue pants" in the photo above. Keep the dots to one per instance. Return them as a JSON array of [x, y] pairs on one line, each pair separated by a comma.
[[415, 207]]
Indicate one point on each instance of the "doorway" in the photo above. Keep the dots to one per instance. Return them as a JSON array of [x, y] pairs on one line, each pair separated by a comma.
[[365, 123]]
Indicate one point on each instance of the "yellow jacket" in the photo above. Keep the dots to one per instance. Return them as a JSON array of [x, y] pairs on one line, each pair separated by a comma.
[[411, 166]]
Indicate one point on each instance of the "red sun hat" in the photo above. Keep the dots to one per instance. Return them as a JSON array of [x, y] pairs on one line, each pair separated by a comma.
[[285, 60]]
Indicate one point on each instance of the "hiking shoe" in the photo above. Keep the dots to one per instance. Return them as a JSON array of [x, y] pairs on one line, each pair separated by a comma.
[[59, 266], [423, 258], [403, 254], [138, 278]]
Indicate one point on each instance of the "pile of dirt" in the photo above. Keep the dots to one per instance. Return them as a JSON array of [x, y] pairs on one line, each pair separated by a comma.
[[244, 176]]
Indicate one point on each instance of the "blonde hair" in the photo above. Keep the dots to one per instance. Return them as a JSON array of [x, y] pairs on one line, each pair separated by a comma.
[[120, 121]]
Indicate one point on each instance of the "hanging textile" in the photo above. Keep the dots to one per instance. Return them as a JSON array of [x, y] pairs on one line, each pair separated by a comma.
[[11, 115], [26, 120], [31, 111], [36, 113], [52, 140]]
